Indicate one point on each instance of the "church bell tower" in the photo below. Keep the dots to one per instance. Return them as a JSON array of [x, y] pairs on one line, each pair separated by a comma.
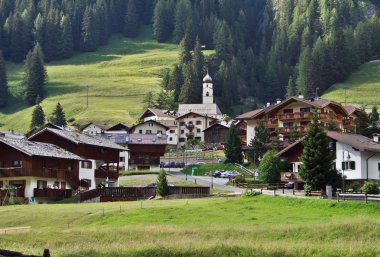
[[208, 91]]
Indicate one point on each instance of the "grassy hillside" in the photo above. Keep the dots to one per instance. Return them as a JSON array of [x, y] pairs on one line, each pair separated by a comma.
[[363, 86], [117, 75], [261, 226]]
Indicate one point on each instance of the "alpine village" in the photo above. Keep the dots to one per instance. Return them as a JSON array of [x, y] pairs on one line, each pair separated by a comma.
[[190, 128]]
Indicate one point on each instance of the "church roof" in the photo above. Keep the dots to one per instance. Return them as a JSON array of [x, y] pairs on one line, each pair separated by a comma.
[[207, 78], [204, 109]]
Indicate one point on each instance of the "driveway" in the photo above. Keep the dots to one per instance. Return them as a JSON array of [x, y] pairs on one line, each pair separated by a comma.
[[218, 183]]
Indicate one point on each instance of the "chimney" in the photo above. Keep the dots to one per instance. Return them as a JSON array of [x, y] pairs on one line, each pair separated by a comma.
[[376, 137], [300, 96], [268, 104], [278, 101]]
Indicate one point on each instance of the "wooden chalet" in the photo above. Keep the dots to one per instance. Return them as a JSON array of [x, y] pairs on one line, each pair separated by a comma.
[[216, 134], [37, 170], [103, 155]]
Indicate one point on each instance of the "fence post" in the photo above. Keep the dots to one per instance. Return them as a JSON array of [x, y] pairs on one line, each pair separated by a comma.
[[366, 198], [46, 253], [293, 190], [195, 181], [283, 190], [337, 194], [274, 191]]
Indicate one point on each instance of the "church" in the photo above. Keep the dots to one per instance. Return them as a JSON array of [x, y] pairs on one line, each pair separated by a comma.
[[208, 107]]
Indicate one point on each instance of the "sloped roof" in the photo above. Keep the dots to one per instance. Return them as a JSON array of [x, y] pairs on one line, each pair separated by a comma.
[[154, 121], [204, 109], [159, 113], [225, 124], [168, 123], [101, 126], [195, 113], [248, 115], [118, 127], [298, 141], [146, 139], [32, 148], [359, 142], [80, 138]]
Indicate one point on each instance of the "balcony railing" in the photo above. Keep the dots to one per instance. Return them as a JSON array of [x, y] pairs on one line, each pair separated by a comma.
[[19, 192], [53, 193], [190, 134], [45, 173], [153, 161], [288, 130], [12, 172], [295, 116], [331, 116], [103, 174], [290, 176]]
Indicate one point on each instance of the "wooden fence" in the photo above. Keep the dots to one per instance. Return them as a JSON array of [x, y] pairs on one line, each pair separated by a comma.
[[357, 196], [278, 188], [189, 191]]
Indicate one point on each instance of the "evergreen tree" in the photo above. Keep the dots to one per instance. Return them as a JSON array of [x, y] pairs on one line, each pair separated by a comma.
[[162, 184], [4, 93], [317, 160], [38, 117], [362, 123], [259, 145], [232, 148], [89, 31], [374, 116], [149, 100], [163, 21], [35, 77], [176, 82], [291, 88], [58, 116], [66, 37], [165, 100], [132, 24]]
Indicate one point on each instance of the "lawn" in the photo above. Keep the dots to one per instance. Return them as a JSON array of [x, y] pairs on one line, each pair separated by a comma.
[[117, 76], [363, 86], [205, 169], [259, 226]]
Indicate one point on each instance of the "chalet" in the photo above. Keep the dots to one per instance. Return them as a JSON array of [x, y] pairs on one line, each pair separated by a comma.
[[191, 126], [11, 134], [295, 112], [120, 127], [37, 170], [157, 114], [146, 150], [103, 155], [357, 157], [172, 132], [93, 129], [149, 127], [216, 134]]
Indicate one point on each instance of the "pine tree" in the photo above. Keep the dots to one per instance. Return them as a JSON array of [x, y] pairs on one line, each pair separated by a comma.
[[89, 31], [232, 148], [162, 21], [132, 23], [149, 100], [176, 81], [317, 160], [58, 117], [66, 37], [270, 167], [162, 184], [4, 93], [35, 77], [374, 116], [291, 88], [38, 117], [259, 144]]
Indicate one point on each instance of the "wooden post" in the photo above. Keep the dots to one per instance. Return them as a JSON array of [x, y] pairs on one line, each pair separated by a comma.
[[337, 196], [46, 253], [293, 190], [366, 198], [274, 191]]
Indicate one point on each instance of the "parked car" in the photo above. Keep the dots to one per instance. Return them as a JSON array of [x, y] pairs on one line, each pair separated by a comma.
[[289, 185], [179, 164], [217, 173], [169, 165], [229, 174], [199, 163]]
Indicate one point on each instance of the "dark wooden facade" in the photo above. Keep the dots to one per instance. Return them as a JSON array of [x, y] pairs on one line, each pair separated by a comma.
[[216, 134], [145, 155]]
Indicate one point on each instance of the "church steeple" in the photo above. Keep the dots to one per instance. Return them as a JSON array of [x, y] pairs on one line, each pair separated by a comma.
[[208, 91]]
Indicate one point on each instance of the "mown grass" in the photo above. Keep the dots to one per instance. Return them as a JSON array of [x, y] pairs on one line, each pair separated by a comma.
[[205, 169], [362, 87], [258, 226], [118, 76]]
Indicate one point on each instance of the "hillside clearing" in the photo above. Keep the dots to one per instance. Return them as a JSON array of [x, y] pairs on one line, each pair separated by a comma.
[[362, 87], [259, 226], [117, 77]]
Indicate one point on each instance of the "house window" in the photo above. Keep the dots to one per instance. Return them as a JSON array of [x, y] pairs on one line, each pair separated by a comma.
[[288, 110], [159, 131], [348, 165], [150, 124], [86, 165], [199, 122], [172, 131], [181, 140], [198, 138], [170, 139], [69, 167], [16, 163], [121, 159], [149, 132], [288, 124], [182, 123], [198, 130], [378, 166], [41, 184], [182, 132], [306, 109], [140, 131]]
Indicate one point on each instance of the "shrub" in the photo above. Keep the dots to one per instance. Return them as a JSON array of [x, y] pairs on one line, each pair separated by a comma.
[[251, 194], [162, 184], [239, 179], [370, 188], [307, 189], [355, 186]]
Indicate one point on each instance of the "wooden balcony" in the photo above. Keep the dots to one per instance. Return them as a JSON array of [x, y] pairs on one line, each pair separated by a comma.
[[151, 160], [20, 192], [290, 176], [190, 134], [53, 193], [288, 130], [104, 174], [12, 172], [330, 116], [45, 173], [271, 123], [295, 116]]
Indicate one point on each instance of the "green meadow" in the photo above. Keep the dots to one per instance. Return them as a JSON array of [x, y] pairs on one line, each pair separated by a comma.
[[258, 226], [117, 77], [362, 87]]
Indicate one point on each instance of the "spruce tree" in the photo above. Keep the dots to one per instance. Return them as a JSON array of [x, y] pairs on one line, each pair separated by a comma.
[[176, 81], [162, 184], [317, 160], [132, 23], [162, 21], [35, 77], [259, 144], [89, 31], [58, 116], [374, 116], [38, 117], [4, 93], [66, 37], [149, 100], [270, 167], [232, 148]]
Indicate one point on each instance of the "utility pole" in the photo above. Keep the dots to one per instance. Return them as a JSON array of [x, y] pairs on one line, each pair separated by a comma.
[[345, 96], [87, 97]]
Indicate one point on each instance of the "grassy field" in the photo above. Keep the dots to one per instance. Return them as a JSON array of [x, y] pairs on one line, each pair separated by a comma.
[[363, 86], [260, 226], [117, 76], [204, 169]]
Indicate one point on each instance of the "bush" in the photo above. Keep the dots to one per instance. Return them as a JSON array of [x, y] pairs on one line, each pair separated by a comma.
[[239, 179], [355, 186], [307, 189], [370, 188], [162, 184], [251, 194]]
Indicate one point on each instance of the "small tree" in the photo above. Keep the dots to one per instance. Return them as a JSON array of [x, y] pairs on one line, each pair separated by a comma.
[[259, 144], [4, 93], [162, 184], [149, 100], [317, 161], [58, 117], [270, 167], [38, 117], [232, 148]]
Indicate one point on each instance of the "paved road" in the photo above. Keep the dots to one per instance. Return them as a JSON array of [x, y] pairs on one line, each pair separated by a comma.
[[218, 183]]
